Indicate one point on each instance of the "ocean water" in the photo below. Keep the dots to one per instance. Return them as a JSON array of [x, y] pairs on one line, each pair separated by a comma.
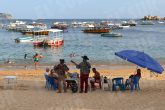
[[100, 50]]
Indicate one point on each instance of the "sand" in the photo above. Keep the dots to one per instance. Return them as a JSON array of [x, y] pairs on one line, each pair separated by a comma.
[[30, 94]]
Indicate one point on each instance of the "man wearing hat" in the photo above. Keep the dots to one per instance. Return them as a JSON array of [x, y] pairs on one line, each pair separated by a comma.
[[84, 67], [61, 69]]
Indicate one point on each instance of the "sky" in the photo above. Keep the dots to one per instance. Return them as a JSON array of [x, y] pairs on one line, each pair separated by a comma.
[[82, 9]]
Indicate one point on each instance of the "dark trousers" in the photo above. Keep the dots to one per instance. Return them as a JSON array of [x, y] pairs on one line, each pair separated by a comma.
[[84, 79]]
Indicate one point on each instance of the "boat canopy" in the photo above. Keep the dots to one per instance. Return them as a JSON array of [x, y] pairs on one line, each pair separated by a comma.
[[55, 30]]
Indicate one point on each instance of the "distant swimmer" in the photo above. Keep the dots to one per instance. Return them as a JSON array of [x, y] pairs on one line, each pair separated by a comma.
[[36, 58], [25, 56], [72, 55]]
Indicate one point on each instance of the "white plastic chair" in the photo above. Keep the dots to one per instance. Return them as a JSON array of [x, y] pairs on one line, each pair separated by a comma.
[[105, 84], [89, 83]]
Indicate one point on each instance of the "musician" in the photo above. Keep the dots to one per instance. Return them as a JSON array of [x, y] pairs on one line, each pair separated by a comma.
[[84, 67]]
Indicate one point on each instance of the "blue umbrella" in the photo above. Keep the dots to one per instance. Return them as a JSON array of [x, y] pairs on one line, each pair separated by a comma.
[[141, 59]]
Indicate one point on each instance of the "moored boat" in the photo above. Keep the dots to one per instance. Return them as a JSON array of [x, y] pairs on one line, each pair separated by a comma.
[[129, 23], [111, 35], [147, 23], [97, 30], [59, 25], [24, 39], [55, 38]]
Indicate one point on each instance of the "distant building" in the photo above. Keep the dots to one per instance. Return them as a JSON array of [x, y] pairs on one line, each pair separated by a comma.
[[5, 16]]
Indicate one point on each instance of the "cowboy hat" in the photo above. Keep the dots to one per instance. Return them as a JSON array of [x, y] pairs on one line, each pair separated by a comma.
[[85, 57]]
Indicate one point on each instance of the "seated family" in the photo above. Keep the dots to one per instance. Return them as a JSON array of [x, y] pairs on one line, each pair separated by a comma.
[[133, 80], [52, 78]]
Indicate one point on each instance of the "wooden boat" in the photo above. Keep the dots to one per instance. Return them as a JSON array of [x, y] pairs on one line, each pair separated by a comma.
[[24, 39], [111, 35], [97, 30], [55, 38]]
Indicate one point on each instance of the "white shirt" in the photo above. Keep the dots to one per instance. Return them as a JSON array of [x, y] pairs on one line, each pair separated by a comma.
[[46, 73]]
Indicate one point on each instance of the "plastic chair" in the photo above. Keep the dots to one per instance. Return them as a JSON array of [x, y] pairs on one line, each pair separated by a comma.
[[105, 83], [118, 82], [135, 83], [89, 84], [50, 83], [47, 84]]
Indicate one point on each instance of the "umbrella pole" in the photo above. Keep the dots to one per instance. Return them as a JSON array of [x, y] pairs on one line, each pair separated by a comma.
[[153, 73]]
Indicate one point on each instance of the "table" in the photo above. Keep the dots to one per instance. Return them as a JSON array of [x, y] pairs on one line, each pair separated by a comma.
[[11, 80]]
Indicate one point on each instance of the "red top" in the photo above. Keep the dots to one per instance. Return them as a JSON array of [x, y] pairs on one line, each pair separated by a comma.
[[138, 75]]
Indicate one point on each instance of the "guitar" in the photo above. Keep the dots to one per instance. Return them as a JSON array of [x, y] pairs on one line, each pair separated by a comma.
[[74, 62]]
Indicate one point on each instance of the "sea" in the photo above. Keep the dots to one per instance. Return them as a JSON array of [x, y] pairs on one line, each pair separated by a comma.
[[100, 50]]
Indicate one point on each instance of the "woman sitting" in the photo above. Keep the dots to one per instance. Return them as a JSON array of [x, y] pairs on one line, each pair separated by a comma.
[[133, 79], [53, 79]]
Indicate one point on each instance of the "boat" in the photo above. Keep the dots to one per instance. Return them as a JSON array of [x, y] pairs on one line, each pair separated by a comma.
[[16, 26], [38, 40], [111, 35], [23, 39], [97, 30], [59, 25], [39, 25], [147, 23], [129, 23], [124, 27], [116, 27], [55, 38], [160, 22], [132, 23], [35, 32]]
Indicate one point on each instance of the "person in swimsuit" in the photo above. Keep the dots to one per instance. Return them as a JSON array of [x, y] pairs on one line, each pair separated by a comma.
[[36, 58]]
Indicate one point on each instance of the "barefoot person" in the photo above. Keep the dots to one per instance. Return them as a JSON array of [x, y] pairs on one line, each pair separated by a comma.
[[84, 67], [97, 78], [61, 69], [36, 58]]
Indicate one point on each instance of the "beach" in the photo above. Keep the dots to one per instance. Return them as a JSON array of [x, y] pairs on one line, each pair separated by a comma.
[[30, 93]]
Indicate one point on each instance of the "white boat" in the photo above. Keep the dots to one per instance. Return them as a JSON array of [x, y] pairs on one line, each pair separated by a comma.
[[127, 26], [54, 38], [160, 22], [16, 26], [111, 35], [147, 23], [24, 39]]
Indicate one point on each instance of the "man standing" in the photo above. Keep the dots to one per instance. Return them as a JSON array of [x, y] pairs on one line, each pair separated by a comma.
[[61, 69], [84, 67]]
